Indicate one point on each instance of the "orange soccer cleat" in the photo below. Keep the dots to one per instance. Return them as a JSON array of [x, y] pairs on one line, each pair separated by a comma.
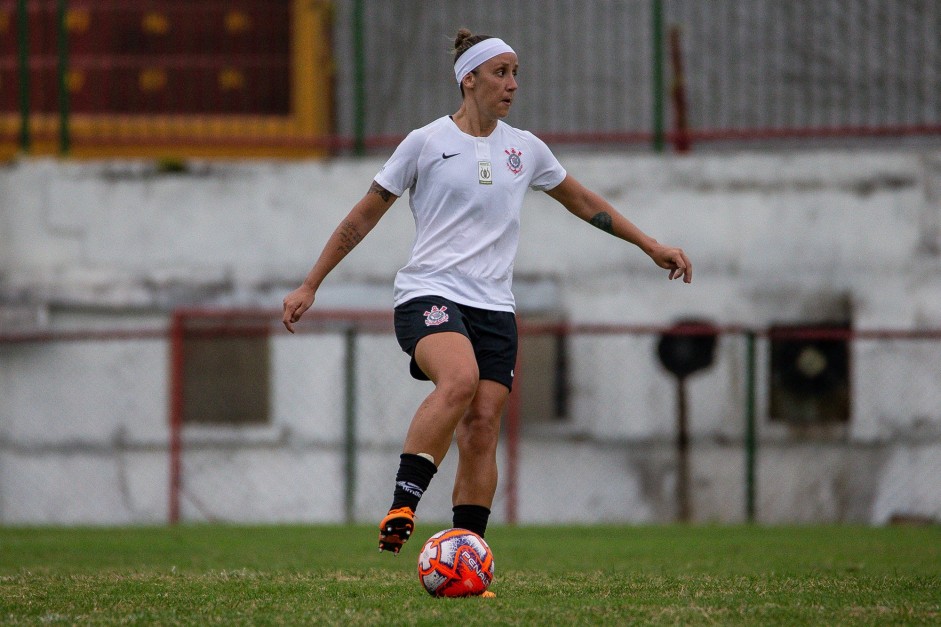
[[395, 529]]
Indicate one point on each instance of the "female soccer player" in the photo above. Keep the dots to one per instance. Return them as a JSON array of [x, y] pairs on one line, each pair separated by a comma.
[[454, 312]]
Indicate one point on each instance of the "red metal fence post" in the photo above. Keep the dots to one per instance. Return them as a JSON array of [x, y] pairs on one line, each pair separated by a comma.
[[514, 406], [177, 331], [681, 137]]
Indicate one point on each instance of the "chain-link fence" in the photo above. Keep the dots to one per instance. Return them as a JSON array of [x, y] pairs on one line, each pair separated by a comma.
[[224, 416], [601, 71]]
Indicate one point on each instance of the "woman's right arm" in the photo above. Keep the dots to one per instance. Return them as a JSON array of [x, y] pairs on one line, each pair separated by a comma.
[[354, 227]]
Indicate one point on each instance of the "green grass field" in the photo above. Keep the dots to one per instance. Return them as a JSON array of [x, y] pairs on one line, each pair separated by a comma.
[[288, 575]]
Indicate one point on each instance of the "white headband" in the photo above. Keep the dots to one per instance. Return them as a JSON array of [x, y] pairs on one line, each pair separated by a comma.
[[477, 54]]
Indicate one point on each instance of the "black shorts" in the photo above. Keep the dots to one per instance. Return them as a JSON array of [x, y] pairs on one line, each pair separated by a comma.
[[491, 333]]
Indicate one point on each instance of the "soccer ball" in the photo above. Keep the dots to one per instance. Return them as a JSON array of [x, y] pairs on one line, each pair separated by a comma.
[[455, 563]]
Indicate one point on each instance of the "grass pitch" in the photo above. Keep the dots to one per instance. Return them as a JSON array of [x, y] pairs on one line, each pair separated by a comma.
[[605, 575]]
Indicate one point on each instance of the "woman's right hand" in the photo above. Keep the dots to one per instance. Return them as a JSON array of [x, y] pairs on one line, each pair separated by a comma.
[[295, 304]]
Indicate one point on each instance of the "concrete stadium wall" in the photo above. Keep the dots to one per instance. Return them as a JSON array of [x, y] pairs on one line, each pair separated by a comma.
[[783, 238]]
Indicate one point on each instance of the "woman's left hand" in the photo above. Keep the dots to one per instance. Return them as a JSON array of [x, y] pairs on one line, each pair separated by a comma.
[[674, 260]]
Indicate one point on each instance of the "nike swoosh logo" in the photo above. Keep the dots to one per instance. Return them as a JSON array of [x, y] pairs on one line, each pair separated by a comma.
[[444, 156]]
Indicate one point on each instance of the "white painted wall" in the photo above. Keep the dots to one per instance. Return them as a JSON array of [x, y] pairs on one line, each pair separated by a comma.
[[774, 238]]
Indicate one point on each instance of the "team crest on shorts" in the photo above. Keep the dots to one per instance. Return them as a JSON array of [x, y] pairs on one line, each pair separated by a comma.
[[514, 160], [436, 316]]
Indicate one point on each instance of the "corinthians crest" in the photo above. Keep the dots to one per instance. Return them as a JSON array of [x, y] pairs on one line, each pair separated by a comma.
[[436, 316], [514, 160]]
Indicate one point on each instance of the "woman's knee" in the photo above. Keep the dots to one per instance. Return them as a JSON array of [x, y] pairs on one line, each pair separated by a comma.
[[459, 387], [478, 431]]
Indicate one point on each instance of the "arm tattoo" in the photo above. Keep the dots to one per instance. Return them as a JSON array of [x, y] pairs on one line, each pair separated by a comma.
[[602, 221], [376, 188], [349, 236]]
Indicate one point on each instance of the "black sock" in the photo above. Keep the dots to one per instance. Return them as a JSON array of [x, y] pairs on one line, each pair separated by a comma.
[[415, 473], [471, 517]]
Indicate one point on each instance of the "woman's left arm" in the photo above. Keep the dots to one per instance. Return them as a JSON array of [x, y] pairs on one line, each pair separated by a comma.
[[592, 208]]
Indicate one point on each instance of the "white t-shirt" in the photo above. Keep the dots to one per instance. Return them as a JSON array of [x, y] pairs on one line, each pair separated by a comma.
[[466, 193]]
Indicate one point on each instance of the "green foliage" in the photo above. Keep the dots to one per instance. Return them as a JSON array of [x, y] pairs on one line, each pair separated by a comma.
[[287, 575]]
